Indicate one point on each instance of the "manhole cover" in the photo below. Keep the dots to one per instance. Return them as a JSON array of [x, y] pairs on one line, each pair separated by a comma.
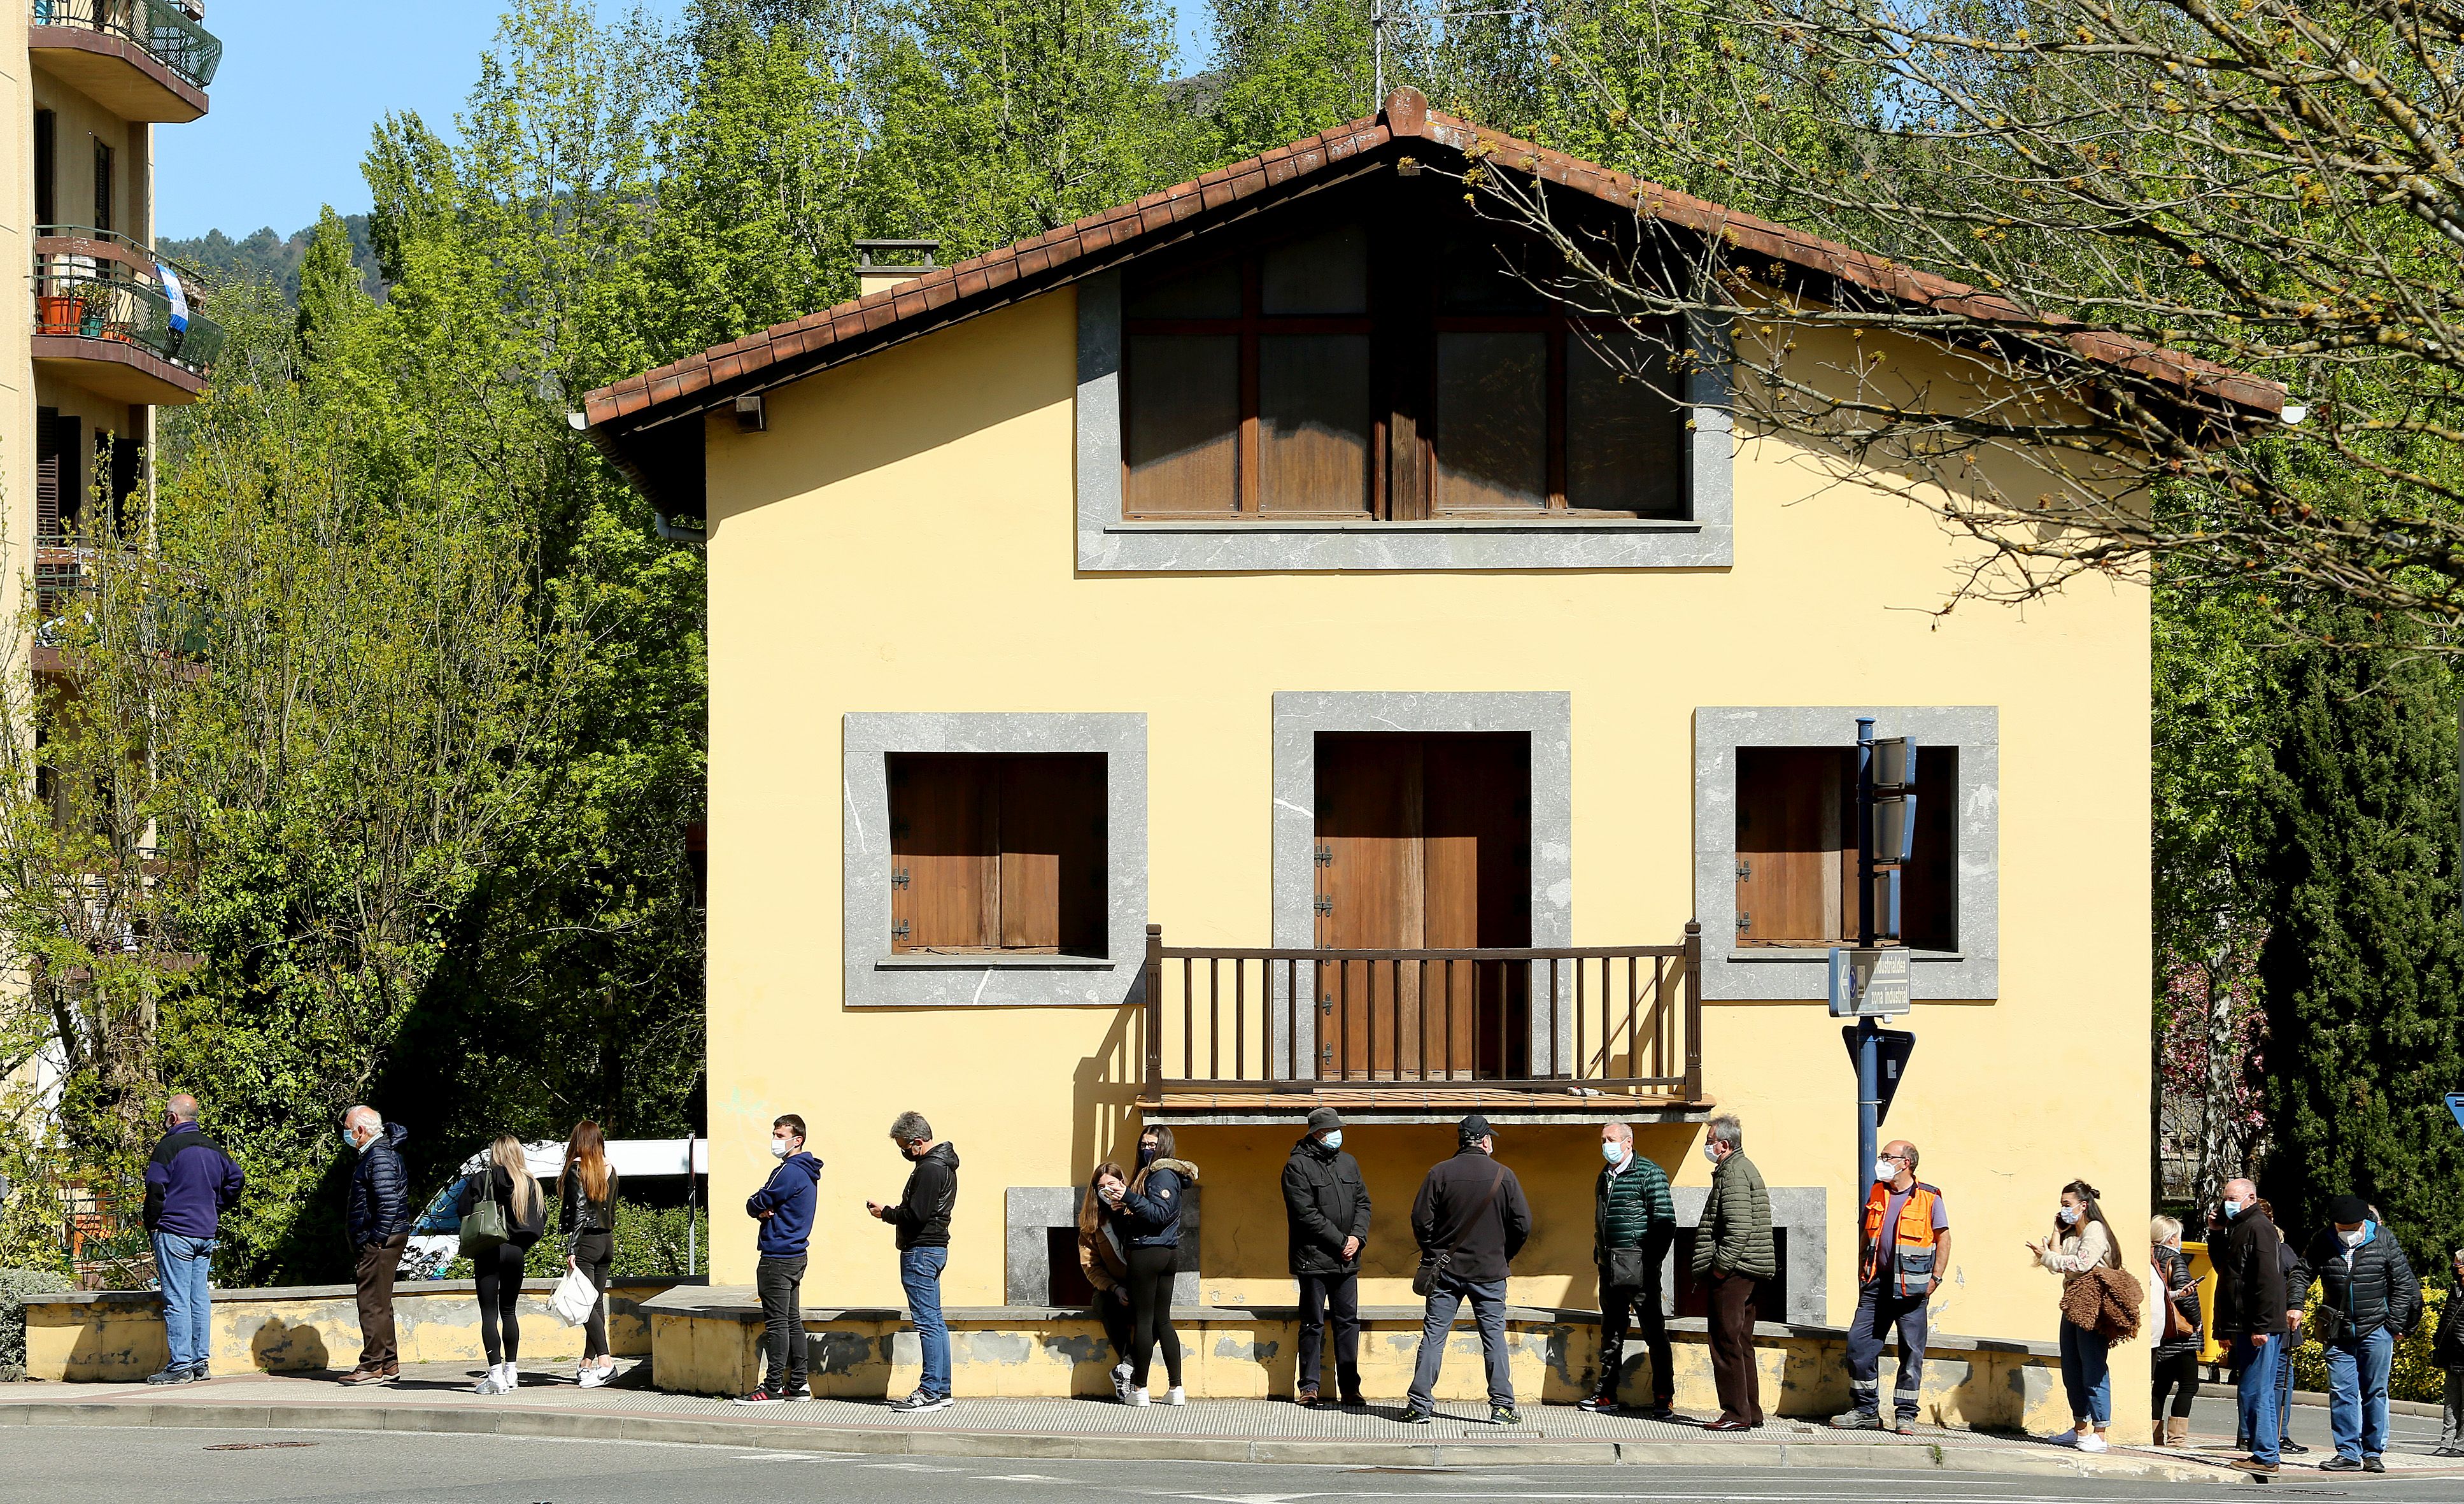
[[256, 1446]]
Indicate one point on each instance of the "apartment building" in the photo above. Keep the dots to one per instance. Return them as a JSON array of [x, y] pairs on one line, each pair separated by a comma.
[[106, 331]]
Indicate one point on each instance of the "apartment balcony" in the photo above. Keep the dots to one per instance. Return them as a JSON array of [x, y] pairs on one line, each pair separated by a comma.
[[1572, 1034], [112, 317], [141, 59]]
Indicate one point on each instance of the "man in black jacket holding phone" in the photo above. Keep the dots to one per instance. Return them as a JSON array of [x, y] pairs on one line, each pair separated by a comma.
[[922, 1218], [1325, 1206]]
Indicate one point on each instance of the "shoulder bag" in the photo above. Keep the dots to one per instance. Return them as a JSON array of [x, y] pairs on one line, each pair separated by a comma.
[[1432, 1265], [487, 1226]]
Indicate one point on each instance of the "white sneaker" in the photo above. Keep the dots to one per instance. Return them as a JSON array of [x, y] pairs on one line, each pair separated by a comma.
[[487, 1383], [2093, 1442], [1121, 1383], [593, 1378], [1176, 1397], [1137, 1396]]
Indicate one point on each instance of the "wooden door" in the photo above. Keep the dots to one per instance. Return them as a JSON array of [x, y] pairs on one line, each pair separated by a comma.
[[1424, 844]]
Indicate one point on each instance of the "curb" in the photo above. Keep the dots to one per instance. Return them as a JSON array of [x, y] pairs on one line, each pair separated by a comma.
[[460, 1420]]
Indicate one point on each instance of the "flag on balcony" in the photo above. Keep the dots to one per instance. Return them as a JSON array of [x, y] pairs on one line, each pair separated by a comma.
[[179, 297]]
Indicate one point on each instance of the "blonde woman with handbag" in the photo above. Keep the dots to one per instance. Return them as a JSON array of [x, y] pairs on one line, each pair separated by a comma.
[[586, 1207], [498, 1240]]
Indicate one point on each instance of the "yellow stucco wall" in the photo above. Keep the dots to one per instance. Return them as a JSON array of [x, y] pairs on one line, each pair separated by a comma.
[[901, 539]]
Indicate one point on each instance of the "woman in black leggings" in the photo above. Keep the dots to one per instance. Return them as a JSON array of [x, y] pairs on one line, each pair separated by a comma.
[[506, 1180], [1147, 1213], [2175, 1362], [585, 1192]]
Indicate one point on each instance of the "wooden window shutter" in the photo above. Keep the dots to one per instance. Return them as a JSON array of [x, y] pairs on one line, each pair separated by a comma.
[[1796, 817], [945, 868], [47, 474], [102, 186], [1052, 840], [998, 851]]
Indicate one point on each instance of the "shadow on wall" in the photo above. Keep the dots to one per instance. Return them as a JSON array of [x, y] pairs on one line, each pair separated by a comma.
[[1104, 1097]]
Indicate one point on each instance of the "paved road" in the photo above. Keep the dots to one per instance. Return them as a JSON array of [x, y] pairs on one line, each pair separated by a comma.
[[205, 1467]]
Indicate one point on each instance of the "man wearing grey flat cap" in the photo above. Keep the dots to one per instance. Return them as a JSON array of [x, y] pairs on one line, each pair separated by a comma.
[[1327, 1206], [1471, 1220]]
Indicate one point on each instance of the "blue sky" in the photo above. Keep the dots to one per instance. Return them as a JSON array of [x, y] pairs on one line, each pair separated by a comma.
[[301, 84]]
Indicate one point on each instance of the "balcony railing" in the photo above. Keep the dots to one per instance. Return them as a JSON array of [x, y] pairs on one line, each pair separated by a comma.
[[1622, 1021], [97, 285], [169, 32]]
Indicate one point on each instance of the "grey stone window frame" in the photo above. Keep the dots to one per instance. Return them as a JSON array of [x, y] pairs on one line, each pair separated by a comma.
[[1773, 974], [1546, 716], [1108, 543], [1031, 1211], [878, 979], [1798, 1210]]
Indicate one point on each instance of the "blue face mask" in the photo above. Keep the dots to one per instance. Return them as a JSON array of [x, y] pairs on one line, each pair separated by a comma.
[[1613, 1153], [2233, 1208], [1333, 1138]]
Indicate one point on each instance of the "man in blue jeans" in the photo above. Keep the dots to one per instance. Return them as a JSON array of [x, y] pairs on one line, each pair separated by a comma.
[[2250, 1319], [2368, 1300], [1470, 1215], [922, 1218], [188, 1181]]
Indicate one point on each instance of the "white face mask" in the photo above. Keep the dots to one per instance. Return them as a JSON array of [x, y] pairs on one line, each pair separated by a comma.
[[1886, 1169], [1333, 1138], [777, 1149], [1711, 1152], [2068, 1216], [1613, 1152], [2351, 1236]]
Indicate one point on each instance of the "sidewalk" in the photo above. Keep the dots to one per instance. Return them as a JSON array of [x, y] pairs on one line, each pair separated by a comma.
[[438, 1398]]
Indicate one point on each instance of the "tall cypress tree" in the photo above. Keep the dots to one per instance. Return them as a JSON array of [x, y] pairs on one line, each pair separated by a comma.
[[2366, 948]]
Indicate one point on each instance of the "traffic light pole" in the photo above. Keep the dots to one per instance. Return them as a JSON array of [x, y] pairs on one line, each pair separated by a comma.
[[1869, 1042]]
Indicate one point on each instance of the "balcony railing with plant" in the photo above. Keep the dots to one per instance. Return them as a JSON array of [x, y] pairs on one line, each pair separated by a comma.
[[169, 32], [98, 284]]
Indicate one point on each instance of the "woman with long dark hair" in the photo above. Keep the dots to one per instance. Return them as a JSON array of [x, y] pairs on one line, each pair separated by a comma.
[[1147, 1215], [506, 1180], [2082, 1241], [585, 1191], [1102, 1257]]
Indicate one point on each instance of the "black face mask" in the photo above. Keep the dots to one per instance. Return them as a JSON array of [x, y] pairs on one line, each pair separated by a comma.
[[1146, 1154]]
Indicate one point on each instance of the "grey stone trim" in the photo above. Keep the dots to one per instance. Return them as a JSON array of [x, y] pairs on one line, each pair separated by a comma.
[[1032, 1211], [1798, 1209], [878, 979], [1108, 544], [1774, 975], [1300, 715]]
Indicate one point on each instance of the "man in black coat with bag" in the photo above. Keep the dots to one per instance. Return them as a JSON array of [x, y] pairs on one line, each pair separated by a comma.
[[1326, 1203]]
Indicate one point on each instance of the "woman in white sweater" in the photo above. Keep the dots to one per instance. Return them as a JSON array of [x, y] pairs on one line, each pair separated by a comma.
[[2082, 1240]]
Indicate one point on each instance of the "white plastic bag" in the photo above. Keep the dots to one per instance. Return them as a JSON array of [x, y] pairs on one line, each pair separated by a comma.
[[574, 1298]]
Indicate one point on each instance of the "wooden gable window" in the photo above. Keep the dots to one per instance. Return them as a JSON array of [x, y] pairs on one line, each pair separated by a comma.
[[1318, 368], [997, 851], [1796, 848]]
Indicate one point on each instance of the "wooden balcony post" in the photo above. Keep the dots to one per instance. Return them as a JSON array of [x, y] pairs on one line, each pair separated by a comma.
[[1693, 1010], [1155, 1006]]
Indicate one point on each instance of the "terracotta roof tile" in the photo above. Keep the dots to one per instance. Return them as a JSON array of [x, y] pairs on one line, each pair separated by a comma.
[[945, 292]]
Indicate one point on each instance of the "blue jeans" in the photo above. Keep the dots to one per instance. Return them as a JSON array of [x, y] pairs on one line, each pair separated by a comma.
[[1446, 1296], [184, 1264], [2255, 1392], [2357, 1391], [920, 1274], [2084, 1360]]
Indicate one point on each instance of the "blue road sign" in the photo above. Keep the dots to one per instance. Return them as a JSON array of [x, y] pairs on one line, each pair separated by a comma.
[[2455, 1105]]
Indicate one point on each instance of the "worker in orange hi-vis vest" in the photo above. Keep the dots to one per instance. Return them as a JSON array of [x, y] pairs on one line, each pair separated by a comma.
[[1904, 1250]]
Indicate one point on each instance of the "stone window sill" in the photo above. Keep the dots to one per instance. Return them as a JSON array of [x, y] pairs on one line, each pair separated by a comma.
[[979, 961]]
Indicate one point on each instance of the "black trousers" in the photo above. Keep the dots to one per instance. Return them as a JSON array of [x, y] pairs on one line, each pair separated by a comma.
[[1619, 1309], [498, 1275], [593, 1253], [2181, 1370], [780, 1283], [1338, 1294], [1735, 1373], [1150, 1313], [1113, 1308]]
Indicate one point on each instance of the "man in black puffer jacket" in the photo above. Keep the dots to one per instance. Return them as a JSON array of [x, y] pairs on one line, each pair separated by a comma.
[[1326, 1205], [2367, 1301], [377, 1220]]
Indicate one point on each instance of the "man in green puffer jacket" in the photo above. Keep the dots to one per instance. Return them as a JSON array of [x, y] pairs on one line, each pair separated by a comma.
[[1732, 1256], [1632, 1223]]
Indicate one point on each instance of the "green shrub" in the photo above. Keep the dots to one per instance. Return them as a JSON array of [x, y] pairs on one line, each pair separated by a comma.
[[2412, 1376], [15, 1285]]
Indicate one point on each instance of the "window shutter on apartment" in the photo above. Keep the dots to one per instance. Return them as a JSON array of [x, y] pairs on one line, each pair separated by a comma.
[[1796, 848], [998, 851], [48, 465]]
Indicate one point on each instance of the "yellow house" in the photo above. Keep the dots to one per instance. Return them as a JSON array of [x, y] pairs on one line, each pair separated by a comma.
[[1155, 666]]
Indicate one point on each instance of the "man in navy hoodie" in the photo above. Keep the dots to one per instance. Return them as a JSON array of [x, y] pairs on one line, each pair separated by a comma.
[[188, 1181], [784, 1208]]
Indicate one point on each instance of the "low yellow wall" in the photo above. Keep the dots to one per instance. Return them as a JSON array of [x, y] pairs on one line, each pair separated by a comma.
[[117, 1336], [1238, 1355]]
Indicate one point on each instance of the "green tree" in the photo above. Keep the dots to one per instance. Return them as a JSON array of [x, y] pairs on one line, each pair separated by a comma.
[[2364, 953], [1287, 69]]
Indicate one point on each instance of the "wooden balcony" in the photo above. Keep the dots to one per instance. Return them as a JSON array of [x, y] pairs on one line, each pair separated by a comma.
[[1573, 1034]]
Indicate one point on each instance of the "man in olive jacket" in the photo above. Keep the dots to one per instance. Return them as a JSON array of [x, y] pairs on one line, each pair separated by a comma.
[[1326, 1205], [1732, 1256]]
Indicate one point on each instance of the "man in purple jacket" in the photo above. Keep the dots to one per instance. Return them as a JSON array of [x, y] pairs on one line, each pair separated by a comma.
[[188, 1181]]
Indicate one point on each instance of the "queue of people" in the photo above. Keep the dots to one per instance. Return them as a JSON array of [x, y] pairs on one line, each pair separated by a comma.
[[1469, 1222]]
